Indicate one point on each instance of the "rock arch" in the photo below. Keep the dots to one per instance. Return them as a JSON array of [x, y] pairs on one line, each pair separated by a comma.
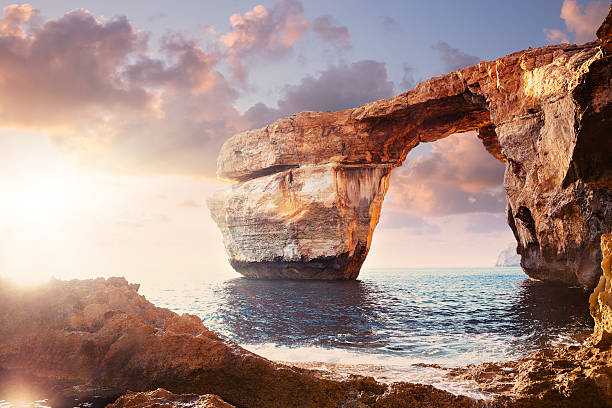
[[310, 187]]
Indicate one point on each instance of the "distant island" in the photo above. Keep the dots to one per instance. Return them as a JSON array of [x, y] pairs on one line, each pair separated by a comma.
[[509, 257]]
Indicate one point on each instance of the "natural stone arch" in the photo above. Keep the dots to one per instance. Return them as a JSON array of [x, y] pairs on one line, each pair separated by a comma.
[[310, 187]]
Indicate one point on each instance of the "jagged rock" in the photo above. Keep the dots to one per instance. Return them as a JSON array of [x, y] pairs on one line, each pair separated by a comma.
[[161, 398], [601, 298], [545, 112], [566, 376], [508, 257], [569, 377], [100, 337]]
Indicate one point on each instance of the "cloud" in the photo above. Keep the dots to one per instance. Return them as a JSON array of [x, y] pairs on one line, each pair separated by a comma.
[[458, 177], [325, 26], [486, 223], [189, 203], [454, 58], [333, 89], [408, 82], [68, 65], [402, 220], [390, 25], [14, 16], [555, 36], [95, 88], [583, 23], [261, 32]]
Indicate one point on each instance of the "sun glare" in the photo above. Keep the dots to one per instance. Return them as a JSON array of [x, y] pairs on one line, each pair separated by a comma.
[[43, 204], [40, 214]]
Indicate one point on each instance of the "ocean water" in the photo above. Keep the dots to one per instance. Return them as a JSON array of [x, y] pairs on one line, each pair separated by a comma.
[[390, 322], [394, 324]]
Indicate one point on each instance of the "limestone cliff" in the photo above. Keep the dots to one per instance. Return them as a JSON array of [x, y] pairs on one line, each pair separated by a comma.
[[310, 187]]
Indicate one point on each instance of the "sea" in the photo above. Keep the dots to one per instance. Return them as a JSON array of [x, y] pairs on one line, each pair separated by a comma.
[[400, 324]]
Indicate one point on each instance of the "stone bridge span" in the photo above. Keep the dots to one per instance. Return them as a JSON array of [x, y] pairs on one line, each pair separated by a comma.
[[309, 188]]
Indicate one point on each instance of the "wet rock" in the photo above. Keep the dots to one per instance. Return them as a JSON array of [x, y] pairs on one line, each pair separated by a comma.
[[161, 398], [310, 187], [568, 376]]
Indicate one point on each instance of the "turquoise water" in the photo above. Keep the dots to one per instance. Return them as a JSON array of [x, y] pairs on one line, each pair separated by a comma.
[[393, 317]]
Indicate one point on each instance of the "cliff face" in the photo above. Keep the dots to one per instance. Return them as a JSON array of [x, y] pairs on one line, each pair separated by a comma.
[[310, 187]]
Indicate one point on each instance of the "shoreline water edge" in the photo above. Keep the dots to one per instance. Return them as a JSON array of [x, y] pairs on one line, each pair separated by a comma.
[[99, 339]]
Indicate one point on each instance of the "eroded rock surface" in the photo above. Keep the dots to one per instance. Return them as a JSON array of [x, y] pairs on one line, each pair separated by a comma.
[[310, 187], [161, 398], [100, 337], [601, 298]]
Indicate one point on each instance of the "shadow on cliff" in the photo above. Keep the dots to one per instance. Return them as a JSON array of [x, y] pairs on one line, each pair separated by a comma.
[[549, 310]]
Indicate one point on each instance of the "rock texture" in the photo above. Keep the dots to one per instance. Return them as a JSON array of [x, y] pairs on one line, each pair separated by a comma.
[[601, 298], [310, 187], [100, 337], [161, 398], [508, 257]]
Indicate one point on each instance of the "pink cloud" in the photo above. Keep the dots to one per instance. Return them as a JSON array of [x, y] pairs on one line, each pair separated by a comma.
[[270, 33], [458, 177], [14, 16], [555, 36], [95, 87], [325, 26], [582, 22]]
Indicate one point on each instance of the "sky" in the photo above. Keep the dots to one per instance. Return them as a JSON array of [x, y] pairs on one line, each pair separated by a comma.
[[112, 114]]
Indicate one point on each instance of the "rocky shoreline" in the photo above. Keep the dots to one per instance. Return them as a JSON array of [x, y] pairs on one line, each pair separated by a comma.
[[83, 339], [101, 338]]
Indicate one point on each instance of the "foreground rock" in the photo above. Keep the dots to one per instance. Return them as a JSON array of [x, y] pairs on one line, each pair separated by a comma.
[[570, 377], [161, 398], [100, 337], [310, 187], [601, 299]]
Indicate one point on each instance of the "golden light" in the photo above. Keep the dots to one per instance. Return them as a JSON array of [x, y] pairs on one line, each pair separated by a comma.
[[41, 205], [40, 215]]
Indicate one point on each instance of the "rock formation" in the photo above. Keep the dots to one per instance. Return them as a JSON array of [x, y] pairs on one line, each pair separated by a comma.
[[100, 337], [310, 187], [508, 257], [601, 298], [161, 398]]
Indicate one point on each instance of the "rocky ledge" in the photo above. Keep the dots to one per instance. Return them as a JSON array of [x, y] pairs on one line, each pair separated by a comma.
[[309, 188], [80, 339], [101, 338]]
